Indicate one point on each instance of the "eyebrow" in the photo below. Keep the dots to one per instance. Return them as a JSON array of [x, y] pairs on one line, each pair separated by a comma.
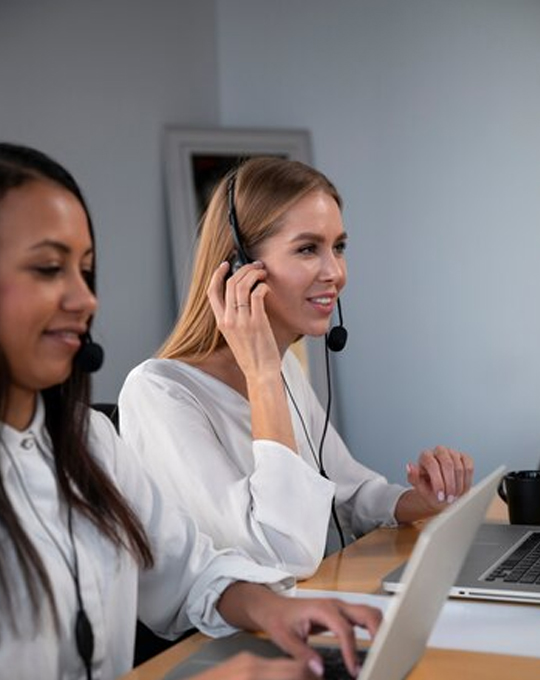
[[310, 236], [58, 245]]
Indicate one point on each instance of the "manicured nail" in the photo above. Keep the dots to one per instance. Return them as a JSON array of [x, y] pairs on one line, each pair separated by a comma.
[[440, 497], [316, 667], [450, 499]]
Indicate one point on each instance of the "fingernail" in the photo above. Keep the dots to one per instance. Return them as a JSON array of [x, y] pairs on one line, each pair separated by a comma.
[[450, 499], [316, 667], [408, 468], [440, 497]]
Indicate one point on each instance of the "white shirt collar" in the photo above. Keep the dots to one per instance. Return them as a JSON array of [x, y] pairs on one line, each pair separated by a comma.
[[26, 440]]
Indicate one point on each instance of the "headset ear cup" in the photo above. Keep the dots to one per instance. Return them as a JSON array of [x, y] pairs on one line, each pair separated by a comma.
[[235, 263]]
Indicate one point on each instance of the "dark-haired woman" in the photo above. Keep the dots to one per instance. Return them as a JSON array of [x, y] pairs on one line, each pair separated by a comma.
[[224, 417], [87, 542]]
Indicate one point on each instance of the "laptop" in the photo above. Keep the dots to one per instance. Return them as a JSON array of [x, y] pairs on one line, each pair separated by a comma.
[[502, 564], [430, 572]]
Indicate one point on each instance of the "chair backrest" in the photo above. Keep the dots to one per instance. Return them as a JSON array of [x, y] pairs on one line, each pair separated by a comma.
[[110, 410]]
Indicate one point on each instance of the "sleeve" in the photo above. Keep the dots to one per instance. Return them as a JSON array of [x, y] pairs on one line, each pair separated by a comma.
[[364, 498], [275, 507], [189, 574]]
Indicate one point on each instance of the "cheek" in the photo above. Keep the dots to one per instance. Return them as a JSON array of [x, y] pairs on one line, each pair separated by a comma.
[[345, 273], [17, 310]]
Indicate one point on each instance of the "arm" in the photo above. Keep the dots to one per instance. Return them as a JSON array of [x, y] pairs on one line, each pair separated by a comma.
[[192, 435], [290, 621], [188, 577], [247, 666], [192, 584], [364, 498], [238, 305]]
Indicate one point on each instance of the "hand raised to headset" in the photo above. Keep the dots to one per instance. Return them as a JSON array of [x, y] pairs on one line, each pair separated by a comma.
[[239, 309], [241, 317]]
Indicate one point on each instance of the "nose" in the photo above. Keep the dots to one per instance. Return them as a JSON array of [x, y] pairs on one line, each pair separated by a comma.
[[78, 297], [334, 269]]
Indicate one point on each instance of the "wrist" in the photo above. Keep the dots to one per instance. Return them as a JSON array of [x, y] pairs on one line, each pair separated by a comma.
[[412, 506]]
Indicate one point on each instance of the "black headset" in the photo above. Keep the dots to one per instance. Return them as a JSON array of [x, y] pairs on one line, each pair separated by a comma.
[[240, 256], [90, 356], [335, 341]]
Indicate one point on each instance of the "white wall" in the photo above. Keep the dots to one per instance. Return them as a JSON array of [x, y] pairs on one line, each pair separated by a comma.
[[426, 115], [93, 83], [424, 112]]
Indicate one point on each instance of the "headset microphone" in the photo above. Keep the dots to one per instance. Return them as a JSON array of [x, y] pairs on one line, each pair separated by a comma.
[[90, 357], [336, 338]]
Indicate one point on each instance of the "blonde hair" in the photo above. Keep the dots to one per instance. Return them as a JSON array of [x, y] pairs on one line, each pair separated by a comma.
[[265, 189]]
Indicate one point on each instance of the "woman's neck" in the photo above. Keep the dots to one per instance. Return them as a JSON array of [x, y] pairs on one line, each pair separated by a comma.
[[21, 405], [222, 365]]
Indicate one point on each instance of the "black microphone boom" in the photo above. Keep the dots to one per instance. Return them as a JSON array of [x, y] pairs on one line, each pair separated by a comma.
[[90, 357], [337, 336]]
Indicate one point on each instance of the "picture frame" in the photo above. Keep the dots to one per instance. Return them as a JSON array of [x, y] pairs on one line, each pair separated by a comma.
[[195, 159]]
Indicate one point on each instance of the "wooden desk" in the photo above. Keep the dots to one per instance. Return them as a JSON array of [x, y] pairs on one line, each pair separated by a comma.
[[359, 568]]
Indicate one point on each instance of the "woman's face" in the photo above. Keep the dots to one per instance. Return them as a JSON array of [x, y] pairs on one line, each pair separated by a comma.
[[46, 254], [306, 268]]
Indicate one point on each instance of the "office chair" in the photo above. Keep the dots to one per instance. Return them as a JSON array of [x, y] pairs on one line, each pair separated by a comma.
[[147, 643], [110, 410]]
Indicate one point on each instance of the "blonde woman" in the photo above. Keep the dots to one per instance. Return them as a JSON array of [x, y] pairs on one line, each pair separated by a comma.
[[224, 418]]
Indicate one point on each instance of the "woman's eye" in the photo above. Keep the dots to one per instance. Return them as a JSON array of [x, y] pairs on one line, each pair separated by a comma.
[[88, 275], [310, 248], [341, 247], [48, 271]]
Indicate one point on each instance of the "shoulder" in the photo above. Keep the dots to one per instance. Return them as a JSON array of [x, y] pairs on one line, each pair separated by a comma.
[[156, 383], [104, 442], [157, 373], [155, 368]]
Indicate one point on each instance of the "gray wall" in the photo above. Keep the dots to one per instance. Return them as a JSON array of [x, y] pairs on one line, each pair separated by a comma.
[[424, 112], [93, 84], [426, 115]]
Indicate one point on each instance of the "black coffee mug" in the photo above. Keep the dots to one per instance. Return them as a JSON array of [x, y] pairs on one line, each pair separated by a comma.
[[520, 490]]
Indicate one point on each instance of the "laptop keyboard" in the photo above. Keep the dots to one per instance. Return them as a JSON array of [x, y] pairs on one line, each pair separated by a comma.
[[521, 566], [334, 666]]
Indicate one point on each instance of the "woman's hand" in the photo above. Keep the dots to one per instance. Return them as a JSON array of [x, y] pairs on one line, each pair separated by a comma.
[[247, 666], [289, 621], [439, 477], [238, 305]]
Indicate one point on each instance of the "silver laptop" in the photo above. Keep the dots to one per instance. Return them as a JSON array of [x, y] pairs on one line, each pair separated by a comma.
[[502, 564], [400, 642]]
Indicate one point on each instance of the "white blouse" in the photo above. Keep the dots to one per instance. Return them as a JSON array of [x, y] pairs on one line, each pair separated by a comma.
[[181, 590], [193, 434]]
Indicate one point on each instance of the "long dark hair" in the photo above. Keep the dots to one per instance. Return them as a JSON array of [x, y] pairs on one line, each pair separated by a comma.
[[83, 483]]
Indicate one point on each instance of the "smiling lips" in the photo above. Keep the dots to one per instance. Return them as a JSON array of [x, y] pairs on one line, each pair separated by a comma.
[[67, 336], [323, 302]]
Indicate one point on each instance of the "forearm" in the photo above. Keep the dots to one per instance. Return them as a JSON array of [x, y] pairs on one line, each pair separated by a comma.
[[270, 415], [242, 604]]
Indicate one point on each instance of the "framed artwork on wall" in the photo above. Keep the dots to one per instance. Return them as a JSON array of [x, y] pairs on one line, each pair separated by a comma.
[[195, 160]]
